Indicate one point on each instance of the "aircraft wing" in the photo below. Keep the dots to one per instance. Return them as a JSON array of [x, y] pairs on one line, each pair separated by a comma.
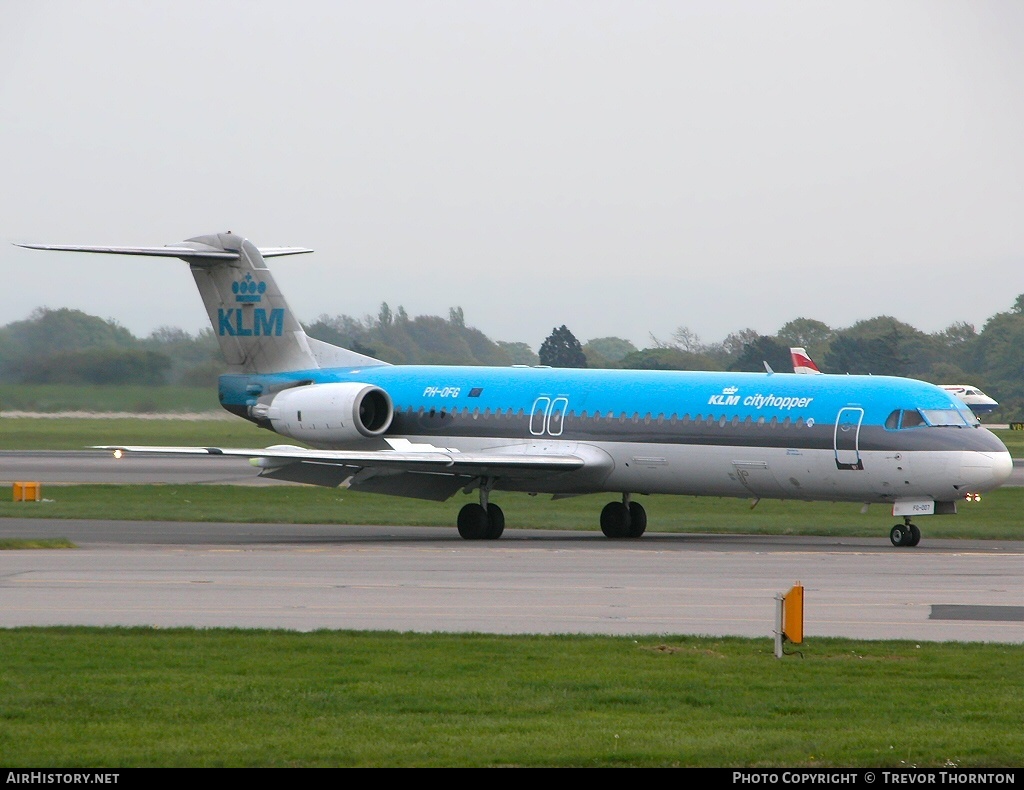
[[437, 461]]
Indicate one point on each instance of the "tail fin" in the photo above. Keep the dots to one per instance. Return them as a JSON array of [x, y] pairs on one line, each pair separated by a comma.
[[802, 363], [257, 331]]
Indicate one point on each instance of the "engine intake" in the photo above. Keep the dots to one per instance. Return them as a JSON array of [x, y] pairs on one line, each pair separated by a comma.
[[328, 413]]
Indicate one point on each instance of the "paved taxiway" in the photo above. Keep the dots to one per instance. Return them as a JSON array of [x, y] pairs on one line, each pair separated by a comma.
[[306, 577]]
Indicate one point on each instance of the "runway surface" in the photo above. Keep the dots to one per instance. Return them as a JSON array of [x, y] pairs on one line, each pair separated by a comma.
[[100, 466], [305, 577]]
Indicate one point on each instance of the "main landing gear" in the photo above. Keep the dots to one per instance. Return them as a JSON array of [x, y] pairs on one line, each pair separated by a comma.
[[485, 521], [479, 523], [905, 534], [625, 519]]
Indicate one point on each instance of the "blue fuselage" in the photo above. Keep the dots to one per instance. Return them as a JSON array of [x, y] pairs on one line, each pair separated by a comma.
[[775, 435]]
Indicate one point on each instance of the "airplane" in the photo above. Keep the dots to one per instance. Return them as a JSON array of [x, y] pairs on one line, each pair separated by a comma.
[[976, 400], [802, 362], [432, 431]]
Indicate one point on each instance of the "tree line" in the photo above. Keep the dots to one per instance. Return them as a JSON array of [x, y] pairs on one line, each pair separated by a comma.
[[65, 346]]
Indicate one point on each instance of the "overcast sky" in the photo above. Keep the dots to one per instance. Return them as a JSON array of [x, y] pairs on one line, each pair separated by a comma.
[[622, 168]]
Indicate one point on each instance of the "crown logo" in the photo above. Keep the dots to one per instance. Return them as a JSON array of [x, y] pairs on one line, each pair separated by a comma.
[[248, 290], [730, 390]]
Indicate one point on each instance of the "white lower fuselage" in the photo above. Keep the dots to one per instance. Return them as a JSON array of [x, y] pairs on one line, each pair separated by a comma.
[[776, 473]]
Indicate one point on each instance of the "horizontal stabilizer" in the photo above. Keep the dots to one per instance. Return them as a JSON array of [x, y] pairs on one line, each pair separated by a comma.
[[170, 251]]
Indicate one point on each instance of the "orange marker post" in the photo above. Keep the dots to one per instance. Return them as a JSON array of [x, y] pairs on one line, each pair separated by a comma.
[[28, 492], [789, 618]]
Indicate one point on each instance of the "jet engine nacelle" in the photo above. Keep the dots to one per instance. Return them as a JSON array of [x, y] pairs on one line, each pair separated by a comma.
[[327, 413]]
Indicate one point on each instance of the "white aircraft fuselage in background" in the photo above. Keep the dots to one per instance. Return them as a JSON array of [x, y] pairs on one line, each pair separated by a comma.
[[976, 400]]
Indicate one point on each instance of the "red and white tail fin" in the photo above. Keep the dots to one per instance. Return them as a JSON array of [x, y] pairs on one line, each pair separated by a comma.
[[802, 363]]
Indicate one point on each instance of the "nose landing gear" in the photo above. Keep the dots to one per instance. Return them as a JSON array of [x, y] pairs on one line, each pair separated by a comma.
[[905, 534]]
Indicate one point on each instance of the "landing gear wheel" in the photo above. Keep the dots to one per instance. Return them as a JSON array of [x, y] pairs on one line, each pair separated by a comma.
[[637, 519], [905, 535], [473, 522], [615, 520], [495, 522]]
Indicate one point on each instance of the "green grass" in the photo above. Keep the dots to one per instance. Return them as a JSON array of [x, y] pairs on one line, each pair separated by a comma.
[[140, 697], [98, 398], [74, 433], [997, 516], [1014, 441], [35, 543]]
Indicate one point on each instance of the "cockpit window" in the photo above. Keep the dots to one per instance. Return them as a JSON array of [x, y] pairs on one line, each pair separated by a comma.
[[945, 417], [941, 418], [912, 418]]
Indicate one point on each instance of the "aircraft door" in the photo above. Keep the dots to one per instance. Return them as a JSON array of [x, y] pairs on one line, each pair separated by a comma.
[[558, 408], [548, 416], [539, 416], [846, 439]]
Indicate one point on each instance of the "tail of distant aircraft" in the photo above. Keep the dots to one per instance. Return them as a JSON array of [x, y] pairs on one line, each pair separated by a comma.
[[802, 362], [256, 330]]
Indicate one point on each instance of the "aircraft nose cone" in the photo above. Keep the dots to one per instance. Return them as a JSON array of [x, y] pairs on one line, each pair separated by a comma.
[[985, 471]]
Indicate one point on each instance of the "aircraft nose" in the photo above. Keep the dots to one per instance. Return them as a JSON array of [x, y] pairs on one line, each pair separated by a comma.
[[984, 471]]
